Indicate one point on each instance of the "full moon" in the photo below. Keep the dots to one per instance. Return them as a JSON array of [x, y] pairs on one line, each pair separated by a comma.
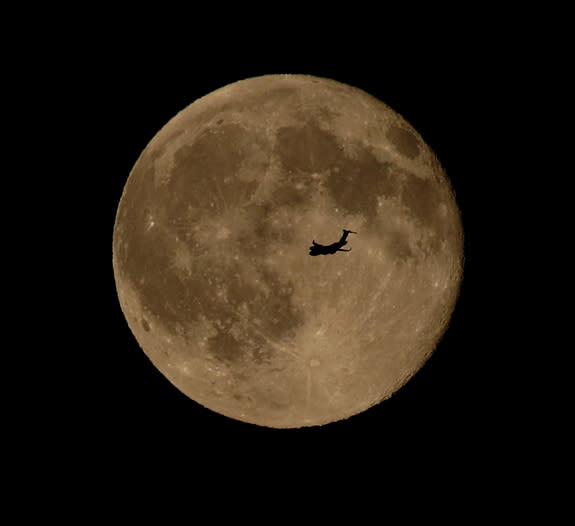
[[211, 251]]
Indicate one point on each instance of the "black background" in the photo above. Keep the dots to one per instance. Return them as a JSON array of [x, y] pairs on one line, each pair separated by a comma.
[[456, 415], [92, 429]]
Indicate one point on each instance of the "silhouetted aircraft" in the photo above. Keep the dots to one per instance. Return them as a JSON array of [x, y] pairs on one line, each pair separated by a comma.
[[316, 249]]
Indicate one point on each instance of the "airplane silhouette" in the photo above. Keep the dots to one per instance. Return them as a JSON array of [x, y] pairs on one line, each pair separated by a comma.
[[316, 249]]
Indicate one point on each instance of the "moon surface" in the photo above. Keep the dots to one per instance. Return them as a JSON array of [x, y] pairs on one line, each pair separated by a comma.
[[211, 239]]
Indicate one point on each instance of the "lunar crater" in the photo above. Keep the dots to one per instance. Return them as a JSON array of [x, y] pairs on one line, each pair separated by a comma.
[[404, 141]]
